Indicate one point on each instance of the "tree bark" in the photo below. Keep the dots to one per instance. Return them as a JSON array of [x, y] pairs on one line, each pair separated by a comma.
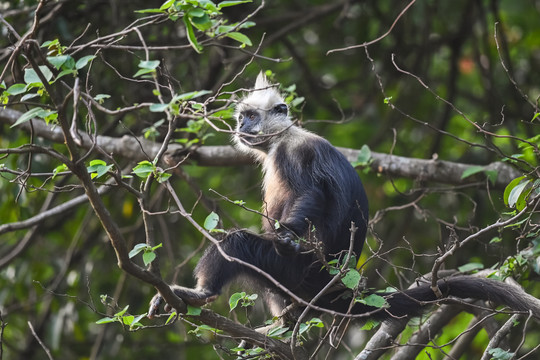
[[138, 149]]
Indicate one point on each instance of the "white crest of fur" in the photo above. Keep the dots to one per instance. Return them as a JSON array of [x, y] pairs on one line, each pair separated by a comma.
[[263, 96]]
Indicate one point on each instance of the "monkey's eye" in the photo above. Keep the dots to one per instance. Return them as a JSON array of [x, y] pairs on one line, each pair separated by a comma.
[[280, 109]]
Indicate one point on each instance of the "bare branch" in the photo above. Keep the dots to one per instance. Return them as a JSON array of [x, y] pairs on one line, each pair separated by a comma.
[[138, 149], [366, 44]]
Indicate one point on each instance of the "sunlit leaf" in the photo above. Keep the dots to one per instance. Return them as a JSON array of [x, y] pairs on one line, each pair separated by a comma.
[[351, 279], [211, 221], [239, 37], [31, 76], [82, 62]]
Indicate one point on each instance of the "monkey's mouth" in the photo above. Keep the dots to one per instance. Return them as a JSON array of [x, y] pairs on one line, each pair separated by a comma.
[[253, 139]]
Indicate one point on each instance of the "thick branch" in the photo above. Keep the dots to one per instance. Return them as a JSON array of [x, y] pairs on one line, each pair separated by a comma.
[[138, 149]]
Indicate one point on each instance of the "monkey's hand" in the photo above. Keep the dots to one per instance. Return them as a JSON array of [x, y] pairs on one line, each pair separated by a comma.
[[285, 244], [193, 297]]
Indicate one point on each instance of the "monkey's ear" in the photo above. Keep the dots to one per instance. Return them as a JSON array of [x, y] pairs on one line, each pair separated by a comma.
[[262, 81]]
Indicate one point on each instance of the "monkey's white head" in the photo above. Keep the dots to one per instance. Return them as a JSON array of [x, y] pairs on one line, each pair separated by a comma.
[[262, 116]]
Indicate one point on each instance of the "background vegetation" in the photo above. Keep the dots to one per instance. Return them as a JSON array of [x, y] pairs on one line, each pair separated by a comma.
[[91, 90]]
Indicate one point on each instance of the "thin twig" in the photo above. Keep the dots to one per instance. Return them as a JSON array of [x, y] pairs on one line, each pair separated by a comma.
[[47, 351], [365, 44]]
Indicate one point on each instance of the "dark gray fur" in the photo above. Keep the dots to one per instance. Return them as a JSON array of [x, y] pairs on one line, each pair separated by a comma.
[[314, 193]]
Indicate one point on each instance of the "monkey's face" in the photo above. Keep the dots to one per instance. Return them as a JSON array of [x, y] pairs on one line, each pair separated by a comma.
[[262, 117], [258, 127]]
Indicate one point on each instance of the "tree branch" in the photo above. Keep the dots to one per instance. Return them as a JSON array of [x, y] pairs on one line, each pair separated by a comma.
[[138, 149]]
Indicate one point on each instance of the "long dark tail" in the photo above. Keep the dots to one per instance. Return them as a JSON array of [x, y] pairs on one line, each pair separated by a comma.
[[414, 300]]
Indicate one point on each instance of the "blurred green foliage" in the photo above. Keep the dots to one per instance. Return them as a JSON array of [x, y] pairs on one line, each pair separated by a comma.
[[482, 57]]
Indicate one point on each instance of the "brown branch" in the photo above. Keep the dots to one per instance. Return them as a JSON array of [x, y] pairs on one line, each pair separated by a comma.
[[501, 334], [138, 149], [366, 44]]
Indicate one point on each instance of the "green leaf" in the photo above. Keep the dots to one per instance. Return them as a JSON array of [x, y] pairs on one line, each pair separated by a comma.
[[16, 89], [510, 187], [303, 328], [167, 4], [515, 195], [193, 310], [203, 22], [149, 11], [128, 320], [492, 175], [136, 320], [190, 95], [364, 156], [171, 317], [471, 267], [211, 221], [196, 12], [240, 38], [374, 300], [137, 249], [148, 257], [105, 320], [101, 97], [144, 169], [370, 324], [277, 331], [82, 62], [234, 299], [31, 77], [98, 168], [146, 67], [206, 4], [495, 240], [122, 312], [222, 29], [33, 113], [162, 177], [316, 322], [351, 279], [29, 96], [227, 3], [500, 354], [158, 107], [191, 34], [58, 61], [149, 64], [66, 72], [471, 170], [59, 169]]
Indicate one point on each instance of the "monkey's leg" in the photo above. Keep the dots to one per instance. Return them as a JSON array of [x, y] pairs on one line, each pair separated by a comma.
[[213, 271]]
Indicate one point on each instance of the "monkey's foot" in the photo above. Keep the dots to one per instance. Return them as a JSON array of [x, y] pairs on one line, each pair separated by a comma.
[[191, 297], [285, 244]]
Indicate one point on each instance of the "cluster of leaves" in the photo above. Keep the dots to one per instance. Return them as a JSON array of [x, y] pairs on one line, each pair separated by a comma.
[[124, 318], [146, 168], [520, 190], [204, 15], [148, 252], [35, 81]]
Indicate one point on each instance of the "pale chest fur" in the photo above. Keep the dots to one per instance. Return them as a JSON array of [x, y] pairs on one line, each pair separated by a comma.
[[276, 192]]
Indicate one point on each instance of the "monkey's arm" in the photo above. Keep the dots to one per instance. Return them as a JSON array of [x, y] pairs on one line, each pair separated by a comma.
[[306, 211], [213, 271]]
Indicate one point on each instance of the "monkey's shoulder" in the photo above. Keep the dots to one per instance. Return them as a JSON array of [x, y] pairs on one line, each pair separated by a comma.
[[312, 159]]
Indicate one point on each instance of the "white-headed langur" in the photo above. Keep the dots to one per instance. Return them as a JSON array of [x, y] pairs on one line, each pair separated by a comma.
[[311, 194]]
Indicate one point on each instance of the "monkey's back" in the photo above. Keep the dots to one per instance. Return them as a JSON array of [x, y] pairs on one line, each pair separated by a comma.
[[312, 182]]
